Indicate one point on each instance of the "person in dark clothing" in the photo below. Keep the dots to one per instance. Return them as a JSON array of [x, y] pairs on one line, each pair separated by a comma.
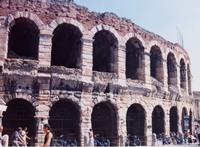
[[48, 140]]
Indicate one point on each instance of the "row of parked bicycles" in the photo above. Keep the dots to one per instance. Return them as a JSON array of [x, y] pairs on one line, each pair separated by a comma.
[[98, 141], [176, 138]]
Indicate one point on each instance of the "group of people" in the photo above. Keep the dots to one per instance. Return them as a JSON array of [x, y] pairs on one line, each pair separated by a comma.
[[18, 138]]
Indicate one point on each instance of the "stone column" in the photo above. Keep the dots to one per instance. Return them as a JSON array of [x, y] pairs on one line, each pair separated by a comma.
[[85, 120], [44, 52], [165, 75], [148, 127], [41, 116], [3, 44], [145, 68], [121, 64], [166, 122], [87, 58], [122, 129]]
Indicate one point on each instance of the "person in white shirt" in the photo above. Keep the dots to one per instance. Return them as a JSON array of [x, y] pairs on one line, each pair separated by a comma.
[[3, 139]]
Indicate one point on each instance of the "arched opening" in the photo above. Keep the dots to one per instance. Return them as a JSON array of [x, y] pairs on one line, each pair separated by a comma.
[[65, 119], [135, 122], [185, 120], [104, 122], [158, 120], [104, 48], [156, 63], [182, 74], [173, 119], [23, 39], [134, 56], [19, 113], [189, 79], [171, 69], [66, 46]]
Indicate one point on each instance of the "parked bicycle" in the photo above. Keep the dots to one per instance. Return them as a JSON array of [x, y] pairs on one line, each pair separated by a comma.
[[101, 141], [67, 143], [132, 141]]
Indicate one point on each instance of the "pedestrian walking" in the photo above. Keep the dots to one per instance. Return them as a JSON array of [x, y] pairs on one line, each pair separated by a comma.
[[91, 138], [48, 139]]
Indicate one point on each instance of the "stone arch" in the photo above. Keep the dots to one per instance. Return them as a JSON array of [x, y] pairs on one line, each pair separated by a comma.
[[54, 23], [101, 27], [66, 46], [156, 63], [65, 119], [132, 35], [134, 57], [23, 40], [11, 18], [171, 69], [182, 73], [105, 47], [173, 119], [104, 121], [19, 113], [158, 116], [135, 121]]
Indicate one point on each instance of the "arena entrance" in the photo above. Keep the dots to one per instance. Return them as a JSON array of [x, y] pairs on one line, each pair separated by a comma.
[[158, 120], [104, 122], [135, 120], [64, 120], [19, 113], [173, 119]]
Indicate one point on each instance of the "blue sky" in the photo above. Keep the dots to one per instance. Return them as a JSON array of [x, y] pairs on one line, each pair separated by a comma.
[[162, 17]]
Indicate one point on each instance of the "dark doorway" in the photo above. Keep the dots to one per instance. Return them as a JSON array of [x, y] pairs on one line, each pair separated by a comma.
[[185, 120], [171, 69], [156, 63], [182, 74], [135, 121], [66, 46], [19, 113], [134, 55], [104, 122], [173, 120], [64, 120], [158, 120], [23, 39], [104, 48]]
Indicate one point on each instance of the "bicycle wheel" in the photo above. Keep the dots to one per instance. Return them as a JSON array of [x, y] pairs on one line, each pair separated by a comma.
[[138, 142], [73, 143], [58, 143], [106, 142]]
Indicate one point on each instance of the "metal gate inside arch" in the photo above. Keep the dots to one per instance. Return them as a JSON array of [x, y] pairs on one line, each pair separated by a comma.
[[104, 122], [64, 120]]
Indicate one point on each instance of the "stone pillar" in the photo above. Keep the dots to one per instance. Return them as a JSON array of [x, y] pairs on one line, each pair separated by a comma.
[[3, 44], [121, 64], [165, 75], [122, 129], [148, 133], [145, 68], [44, 52], [87, 58], [86, 113], [166, 122], [41, 116]]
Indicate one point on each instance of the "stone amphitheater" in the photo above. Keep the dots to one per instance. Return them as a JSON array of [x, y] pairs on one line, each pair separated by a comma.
[[74, 69]]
